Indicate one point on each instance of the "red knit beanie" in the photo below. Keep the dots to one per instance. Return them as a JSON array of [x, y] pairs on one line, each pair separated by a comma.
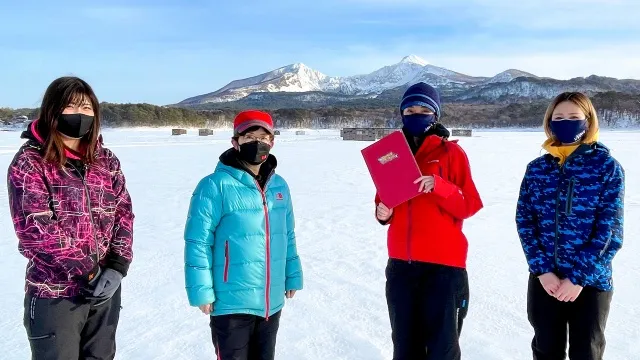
[[250, 118]]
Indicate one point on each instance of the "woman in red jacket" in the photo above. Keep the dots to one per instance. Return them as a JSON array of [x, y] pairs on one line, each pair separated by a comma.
[[427, 286]]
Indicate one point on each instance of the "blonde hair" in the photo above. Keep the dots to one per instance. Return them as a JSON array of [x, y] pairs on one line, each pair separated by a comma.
[[584, 103]]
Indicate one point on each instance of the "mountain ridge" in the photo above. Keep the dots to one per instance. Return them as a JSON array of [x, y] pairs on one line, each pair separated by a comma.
[[302, 86]]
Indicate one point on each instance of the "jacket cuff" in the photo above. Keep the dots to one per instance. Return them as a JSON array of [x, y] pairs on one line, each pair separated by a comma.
[[200, 295], [442, 187], [90, 276], [118, 263], [538, 270], [293, 283], [577, 280]]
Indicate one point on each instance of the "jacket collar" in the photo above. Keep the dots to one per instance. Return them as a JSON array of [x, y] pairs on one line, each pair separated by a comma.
[[33, 134], [231, 164]]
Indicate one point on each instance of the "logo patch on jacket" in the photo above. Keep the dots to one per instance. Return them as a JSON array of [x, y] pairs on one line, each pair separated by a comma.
[[279, 196]]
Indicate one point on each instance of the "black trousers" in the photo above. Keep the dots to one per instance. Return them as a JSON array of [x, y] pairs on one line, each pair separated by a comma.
[[71, 329], [584, 320], [427, 305], [245, 337]]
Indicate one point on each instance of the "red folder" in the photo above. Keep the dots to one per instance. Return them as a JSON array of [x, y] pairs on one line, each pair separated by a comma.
[[393, 169]]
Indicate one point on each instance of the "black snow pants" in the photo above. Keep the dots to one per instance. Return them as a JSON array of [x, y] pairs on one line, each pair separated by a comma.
[[245, 337], [427, 305], [72, 329], [584, 320]]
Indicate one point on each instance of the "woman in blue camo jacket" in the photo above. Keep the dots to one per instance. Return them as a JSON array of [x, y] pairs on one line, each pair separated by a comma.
[[570, 222]]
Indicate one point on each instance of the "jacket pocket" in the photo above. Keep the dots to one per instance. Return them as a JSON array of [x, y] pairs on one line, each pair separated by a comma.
[[569, 205], [42, 337], [45, 346], [226, 261], [606, 246], [40, 333]]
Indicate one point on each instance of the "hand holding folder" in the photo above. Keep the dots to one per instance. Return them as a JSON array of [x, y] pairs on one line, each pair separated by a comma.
[[426, 183], [383, 213], [393, 169]]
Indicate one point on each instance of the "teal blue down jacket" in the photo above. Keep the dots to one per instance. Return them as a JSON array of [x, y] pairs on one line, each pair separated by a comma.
[[240, 245]]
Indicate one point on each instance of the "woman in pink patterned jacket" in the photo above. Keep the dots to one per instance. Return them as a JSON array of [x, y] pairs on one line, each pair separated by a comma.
[[73, 219]]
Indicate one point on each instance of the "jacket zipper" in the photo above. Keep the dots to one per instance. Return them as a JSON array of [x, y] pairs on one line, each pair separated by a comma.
[[226, 261], [410, 227], [86, 189], [560, 181], [569, 206], [555, 243], [409, 233], [268, 248]]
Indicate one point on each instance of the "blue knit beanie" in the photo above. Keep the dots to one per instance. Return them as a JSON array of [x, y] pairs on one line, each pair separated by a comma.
[[421, 94]]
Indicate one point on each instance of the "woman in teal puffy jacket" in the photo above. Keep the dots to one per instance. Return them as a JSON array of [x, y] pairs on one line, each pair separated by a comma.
[[240, 246]]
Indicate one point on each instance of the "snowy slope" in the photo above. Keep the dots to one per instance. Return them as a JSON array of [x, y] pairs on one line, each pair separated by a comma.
[[530, 88], [404, 72], [292, 78], [409, 70], [508, 75], [341, 314]]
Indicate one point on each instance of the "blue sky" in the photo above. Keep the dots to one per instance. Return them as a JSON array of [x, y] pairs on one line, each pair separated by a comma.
[[162, 52]]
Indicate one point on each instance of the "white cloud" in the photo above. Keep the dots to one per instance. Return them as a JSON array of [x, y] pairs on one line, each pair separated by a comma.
[[559, 14], [508, 14], [618, 61], [558, 66], [555, 38]]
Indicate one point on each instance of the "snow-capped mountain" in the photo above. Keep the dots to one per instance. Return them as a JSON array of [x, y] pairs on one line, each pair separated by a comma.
[[523, 88], [300, 78], [293, 78], [409, 70], [404, 72], [508, 75], [298, 85]]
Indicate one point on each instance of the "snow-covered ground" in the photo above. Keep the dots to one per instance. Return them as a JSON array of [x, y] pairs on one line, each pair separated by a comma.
[[342, 312]]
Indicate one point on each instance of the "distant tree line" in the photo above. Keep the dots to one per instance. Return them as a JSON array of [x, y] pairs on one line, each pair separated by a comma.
[[614, 108]]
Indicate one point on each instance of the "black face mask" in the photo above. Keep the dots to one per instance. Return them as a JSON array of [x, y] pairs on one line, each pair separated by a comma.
[[75, 126], [255, 152]]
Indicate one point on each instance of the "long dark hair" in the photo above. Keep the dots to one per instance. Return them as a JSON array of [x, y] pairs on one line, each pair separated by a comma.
[[60, 93]]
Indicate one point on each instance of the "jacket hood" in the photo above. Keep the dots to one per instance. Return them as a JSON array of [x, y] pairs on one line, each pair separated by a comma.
[[436, 129], [563, 152]]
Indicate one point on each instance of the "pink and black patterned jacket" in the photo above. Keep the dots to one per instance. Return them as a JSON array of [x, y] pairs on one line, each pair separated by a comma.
[[68, 220]]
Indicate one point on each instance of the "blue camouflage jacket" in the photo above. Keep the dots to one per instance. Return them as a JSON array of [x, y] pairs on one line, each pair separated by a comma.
[[570, 217]]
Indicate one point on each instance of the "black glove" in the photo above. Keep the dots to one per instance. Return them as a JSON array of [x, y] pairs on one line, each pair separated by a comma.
[[107, 284]]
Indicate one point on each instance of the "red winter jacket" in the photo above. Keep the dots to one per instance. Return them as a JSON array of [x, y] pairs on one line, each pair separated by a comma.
[[428, 228]]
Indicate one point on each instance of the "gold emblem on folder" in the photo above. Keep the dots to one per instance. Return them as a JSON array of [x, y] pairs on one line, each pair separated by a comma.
[[387, 158]]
